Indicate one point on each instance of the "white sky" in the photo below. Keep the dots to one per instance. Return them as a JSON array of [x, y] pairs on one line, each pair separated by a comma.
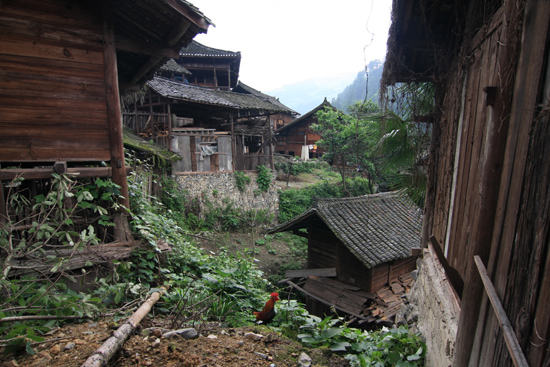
[[286, 41]]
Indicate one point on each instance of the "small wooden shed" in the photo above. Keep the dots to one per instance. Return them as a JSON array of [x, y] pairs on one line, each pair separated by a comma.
[[296, 137], [368, 240], [62, 65]]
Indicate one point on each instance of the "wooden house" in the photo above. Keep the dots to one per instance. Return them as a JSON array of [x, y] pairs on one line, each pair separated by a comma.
[[297, 139], [286, 116], [210, 67], [62, 64], [488, 193], [365, 243], [212, 130]]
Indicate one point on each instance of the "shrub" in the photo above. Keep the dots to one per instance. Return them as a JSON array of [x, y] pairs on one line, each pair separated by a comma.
[[241, 180], [264, 178]]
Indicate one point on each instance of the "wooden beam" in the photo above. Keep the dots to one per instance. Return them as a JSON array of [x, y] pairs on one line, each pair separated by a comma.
[[509, 335], [114, 113], [304, 273], [46, 173], [145, 48]]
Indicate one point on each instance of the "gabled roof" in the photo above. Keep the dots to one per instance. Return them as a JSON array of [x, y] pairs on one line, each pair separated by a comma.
[[376, 228], [306, 116], [196, 49], [246, 89], [192, 93]]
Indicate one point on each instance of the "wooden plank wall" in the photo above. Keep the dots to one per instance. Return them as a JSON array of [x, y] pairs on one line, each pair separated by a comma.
[[52, 90]]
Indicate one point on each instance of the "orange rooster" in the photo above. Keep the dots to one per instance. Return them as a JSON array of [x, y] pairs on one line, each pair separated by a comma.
[[268, 313]]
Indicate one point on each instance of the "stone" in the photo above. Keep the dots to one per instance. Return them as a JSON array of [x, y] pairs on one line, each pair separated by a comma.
[[156, 343], [69, 346], [187, 333], [43, 360], [255, 337], [55, 349], [304, 360], [79, 342], [12, 363]]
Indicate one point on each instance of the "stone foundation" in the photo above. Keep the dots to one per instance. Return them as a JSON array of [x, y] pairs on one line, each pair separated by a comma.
[[433, 309]]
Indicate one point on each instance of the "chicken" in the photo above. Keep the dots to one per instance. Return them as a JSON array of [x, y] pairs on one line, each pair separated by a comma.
[[268, 313]]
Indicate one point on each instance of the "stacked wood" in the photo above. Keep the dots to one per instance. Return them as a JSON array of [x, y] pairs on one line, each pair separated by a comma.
[[388, 300]]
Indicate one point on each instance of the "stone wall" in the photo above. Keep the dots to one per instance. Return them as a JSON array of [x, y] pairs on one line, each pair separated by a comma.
[[220, 189], [434, 309]]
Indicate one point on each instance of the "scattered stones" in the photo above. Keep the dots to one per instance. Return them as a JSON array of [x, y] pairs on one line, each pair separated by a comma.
[[304, 360], [42, 360], [255, 337], [69, 346]]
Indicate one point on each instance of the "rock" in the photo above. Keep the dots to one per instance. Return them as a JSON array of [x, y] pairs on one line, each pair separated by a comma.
[[55, 349], [264, 356], [12, 363], [156, 343], [43, 360], [188, 333], [255, 337], [157, 333], [240, 343], [69, 346], [304, 360], [92, 324], [212, 336], [79, 342]]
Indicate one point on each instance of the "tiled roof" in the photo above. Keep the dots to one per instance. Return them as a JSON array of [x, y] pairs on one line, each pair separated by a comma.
[[178, 90], [305, 116], [376, 228], [243, 88], [200, 50], [173, 66]]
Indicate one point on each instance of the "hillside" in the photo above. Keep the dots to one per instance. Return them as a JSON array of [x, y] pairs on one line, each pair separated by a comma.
[[356, 91]]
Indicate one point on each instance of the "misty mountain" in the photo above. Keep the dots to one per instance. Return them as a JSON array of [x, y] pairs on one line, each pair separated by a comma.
[[357, 90], [304, 96]]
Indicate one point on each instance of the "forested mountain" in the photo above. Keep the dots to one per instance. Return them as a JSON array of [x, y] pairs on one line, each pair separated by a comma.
[[358, 89]]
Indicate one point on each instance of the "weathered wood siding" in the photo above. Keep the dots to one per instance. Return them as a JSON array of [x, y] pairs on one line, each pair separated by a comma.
[[325, 250], [490, 183], [52, 81]]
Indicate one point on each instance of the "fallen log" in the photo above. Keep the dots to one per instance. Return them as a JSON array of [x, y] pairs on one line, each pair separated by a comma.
[[108, 349]]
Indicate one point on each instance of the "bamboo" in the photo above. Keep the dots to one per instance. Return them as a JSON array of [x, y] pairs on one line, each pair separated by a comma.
[[108, 349], [509, 336]]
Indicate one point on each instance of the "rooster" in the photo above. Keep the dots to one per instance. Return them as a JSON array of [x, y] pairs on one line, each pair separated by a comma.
[[268, 313]]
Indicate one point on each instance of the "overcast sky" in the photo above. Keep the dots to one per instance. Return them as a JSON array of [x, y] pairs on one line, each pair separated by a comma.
[[286, 41]]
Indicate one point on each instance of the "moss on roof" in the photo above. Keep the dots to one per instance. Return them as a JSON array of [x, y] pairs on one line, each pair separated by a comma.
[[135, 142]]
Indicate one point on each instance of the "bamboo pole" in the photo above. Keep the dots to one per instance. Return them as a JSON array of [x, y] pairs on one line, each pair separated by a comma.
[[108, 349], [509, 335]]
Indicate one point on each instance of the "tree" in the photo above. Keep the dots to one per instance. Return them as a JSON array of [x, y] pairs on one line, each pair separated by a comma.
[[346, 139]]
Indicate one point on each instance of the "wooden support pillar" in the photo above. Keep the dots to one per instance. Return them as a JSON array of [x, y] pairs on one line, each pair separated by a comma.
[[3, 208], [114, 114], [232, 143]]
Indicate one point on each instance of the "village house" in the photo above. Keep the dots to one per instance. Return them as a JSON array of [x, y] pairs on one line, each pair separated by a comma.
[[361, 252], [484, 286], [62, 66], [297, 139], [197, 108]]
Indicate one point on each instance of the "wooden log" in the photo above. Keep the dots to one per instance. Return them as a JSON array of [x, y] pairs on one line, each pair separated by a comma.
[[108, 349], [302, 273]]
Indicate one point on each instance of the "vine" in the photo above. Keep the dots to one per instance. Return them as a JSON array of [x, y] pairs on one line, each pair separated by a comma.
[[264, 178]]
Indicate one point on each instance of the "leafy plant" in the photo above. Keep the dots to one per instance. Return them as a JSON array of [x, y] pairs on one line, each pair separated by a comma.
[[264, 178], [241, 180]]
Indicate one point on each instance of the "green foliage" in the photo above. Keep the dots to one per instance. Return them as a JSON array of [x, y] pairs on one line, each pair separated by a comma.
[[293, 202], [357, 91], [241, 180], [264, 178], [395, 347], [296, 166]]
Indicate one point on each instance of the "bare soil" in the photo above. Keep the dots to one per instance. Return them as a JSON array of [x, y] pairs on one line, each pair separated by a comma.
[[71, 345]]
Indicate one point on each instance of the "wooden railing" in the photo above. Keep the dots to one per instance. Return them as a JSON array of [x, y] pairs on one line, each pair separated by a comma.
[[509, 336]]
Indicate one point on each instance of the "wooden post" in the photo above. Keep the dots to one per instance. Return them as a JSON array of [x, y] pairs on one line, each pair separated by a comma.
[[114, 115], [232, 143], [3, 209]]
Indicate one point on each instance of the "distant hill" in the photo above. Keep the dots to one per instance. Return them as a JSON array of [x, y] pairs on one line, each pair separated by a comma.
[[304, 96], [356, 91]]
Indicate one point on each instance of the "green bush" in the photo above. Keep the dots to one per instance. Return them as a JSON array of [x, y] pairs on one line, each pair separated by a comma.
[[241, 180], [264, 178]]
